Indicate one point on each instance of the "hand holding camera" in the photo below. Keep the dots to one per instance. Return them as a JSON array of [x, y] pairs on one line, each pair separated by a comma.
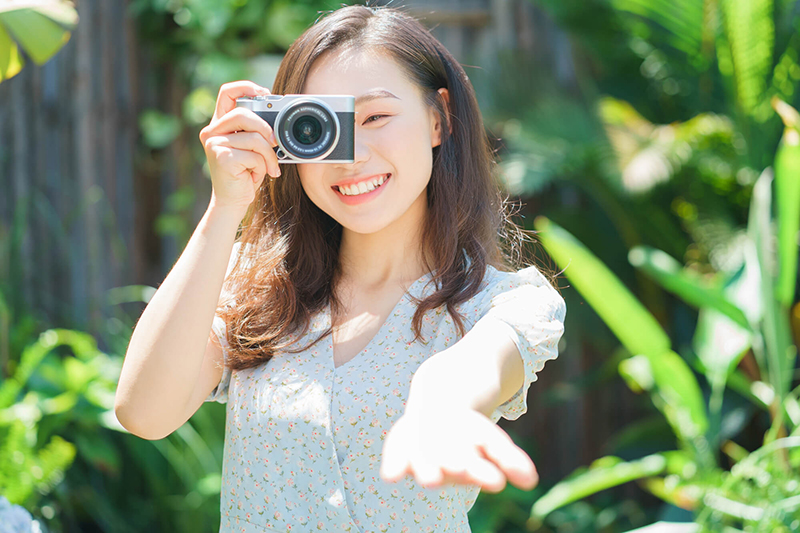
[[238, 146], [241, 146], [309, 128]]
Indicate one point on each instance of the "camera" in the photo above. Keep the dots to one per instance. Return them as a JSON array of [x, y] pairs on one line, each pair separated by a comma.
[[309, 128]]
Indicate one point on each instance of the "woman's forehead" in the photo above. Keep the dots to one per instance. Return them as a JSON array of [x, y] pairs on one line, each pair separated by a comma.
[[356, 73]]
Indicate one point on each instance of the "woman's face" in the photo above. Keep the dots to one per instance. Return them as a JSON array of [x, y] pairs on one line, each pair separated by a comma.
[[394, 137]]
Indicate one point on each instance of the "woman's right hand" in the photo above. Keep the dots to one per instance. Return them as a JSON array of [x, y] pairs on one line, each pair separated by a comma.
[[238, 145]]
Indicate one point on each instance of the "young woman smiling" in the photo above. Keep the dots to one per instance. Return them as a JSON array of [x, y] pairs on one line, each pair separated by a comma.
[[371, 327]]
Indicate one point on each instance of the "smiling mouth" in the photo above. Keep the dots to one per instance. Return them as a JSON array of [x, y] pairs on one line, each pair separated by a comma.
[[364, 187]]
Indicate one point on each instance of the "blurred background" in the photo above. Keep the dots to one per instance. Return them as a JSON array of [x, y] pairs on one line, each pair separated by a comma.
[[652, 144]]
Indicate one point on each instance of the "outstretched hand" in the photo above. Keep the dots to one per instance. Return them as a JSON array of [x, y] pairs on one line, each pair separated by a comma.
[[462, 447]]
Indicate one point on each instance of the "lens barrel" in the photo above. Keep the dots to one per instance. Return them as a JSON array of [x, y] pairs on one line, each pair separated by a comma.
[[307, 129]]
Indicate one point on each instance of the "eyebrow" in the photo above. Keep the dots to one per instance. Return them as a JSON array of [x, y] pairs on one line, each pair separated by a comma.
[[374, 95]]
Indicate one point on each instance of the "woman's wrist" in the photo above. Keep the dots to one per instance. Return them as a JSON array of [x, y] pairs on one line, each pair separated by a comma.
[[233, 213]]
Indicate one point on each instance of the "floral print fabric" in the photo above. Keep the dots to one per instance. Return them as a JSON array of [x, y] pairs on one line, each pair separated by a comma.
[[303, 439]]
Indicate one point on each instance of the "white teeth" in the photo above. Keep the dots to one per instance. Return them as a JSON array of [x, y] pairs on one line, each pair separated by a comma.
[[363, 187]]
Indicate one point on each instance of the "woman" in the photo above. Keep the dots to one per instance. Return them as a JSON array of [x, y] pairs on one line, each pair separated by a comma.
[[337, 295]]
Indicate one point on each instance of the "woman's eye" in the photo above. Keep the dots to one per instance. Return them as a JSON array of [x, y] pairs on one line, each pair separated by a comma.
[[374, 116]]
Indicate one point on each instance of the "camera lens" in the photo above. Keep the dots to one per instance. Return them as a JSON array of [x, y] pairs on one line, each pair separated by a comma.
[[307, 130]]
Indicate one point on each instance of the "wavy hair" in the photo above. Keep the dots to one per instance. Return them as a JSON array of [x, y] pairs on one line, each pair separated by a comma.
[[289, 260]]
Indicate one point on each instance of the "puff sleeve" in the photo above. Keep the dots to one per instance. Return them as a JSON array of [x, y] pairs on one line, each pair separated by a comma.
[[218, 326], [533, 313]]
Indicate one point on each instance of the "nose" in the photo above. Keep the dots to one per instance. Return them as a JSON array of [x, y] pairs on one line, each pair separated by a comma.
[[361, 150], [362, 147]]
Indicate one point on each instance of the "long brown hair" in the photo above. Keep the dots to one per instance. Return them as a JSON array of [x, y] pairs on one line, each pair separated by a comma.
[[289, 261]]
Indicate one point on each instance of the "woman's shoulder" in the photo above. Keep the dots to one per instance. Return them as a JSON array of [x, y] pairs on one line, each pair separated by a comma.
[[495, 278], [525, 289]]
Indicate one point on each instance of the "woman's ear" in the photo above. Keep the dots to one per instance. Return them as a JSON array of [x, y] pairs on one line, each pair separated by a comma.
[[436, 134]]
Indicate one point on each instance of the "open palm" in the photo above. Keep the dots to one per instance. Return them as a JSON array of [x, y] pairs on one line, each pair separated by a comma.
[[462, 447]]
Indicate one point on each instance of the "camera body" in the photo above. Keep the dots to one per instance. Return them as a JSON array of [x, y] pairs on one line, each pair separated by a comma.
[[309, 128]]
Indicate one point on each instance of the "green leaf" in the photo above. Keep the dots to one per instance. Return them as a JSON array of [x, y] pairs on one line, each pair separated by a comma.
[[671, 527], [159, 129], [751, 34], [82, 344], [682, 19], [604, 473], [11, 61], [40, 30], [654, 366], [627, 318], [780, 350], [673, 389], [720, 344], [787, 192], [686, 284]]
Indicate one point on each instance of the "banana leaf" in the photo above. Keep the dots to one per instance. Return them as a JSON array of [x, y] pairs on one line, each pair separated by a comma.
[[40, 27], [659, 370]]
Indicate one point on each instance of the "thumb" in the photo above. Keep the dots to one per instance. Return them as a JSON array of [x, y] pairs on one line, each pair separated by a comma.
[[392, 467]]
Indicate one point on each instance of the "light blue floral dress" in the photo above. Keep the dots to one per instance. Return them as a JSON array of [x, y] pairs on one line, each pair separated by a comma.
[[303, 439]]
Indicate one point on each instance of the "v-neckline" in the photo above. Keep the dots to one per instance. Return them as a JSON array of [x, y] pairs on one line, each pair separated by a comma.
[[329, 318]]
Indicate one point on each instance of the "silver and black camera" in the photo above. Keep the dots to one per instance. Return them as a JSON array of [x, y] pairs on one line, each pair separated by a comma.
[[309, 128]]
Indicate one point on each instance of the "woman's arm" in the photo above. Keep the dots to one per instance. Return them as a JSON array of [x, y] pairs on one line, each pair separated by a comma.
[[481, 371], [164, 360], [445, 435]]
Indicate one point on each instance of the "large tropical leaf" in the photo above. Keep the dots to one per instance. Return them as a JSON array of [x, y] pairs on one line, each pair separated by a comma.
[[654, 366], [682, 20], [787, 192], [751, 34], [622, 312], [40, 27]]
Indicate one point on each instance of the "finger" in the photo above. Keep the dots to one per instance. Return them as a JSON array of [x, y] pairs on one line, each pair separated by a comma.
[[229, 92], [486, 474], [500, 449], [240, 162], [254, 142], [393, 472], [426, 473], [243, 119], [393, 464]]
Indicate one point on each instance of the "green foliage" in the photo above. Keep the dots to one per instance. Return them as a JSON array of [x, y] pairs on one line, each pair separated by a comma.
[[210, 43], [23, 469], [759, 493], [204, 44], [669, 121], [40, 30], [68, 389], [59, 436], [63, 455]]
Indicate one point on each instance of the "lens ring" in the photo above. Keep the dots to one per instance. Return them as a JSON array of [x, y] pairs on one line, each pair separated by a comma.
[[307, 130], [303, 116]]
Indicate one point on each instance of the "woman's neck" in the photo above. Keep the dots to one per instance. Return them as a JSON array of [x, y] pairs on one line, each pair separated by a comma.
[[387, 257]]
